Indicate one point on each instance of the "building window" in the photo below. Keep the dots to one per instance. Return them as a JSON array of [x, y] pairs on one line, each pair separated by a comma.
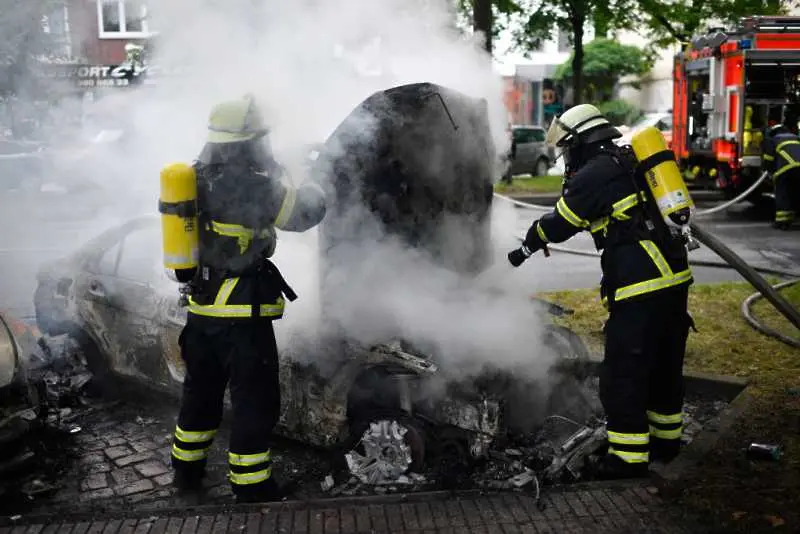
[[120, 19]]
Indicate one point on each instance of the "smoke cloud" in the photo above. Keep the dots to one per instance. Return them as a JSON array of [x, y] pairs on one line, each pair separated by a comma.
[[309, 63]]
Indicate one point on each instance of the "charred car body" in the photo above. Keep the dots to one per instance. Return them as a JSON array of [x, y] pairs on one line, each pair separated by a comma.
[[18, 398], [410, 159]]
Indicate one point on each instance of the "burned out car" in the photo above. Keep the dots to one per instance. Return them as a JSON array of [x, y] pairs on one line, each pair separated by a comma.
[[18, 397], [128, 326], [406, 163]]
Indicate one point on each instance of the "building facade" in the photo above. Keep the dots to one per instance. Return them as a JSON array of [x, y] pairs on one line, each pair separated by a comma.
[[532, 95], [101, 29]]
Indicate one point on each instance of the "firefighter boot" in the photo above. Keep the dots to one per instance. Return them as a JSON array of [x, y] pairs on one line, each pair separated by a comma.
[[612, 467], [664, 450], [782, 225]]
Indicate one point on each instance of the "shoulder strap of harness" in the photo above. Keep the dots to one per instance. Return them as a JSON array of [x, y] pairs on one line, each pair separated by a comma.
[[649, 218]]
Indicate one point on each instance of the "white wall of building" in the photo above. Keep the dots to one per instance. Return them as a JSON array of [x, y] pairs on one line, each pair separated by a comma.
[[655, 93], [553, 51]]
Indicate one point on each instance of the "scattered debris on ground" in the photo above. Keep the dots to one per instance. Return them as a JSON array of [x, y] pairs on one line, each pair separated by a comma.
[[563, 451], [93, 451]]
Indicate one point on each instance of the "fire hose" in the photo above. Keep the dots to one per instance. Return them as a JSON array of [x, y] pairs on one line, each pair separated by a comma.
[[732, 261]]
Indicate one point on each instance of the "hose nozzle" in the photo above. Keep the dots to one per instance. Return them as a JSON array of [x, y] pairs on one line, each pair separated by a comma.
[[688, 238]]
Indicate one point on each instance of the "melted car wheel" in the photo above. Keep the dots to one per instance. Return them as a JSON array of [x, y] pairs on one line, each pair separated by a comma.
[[384, 449]]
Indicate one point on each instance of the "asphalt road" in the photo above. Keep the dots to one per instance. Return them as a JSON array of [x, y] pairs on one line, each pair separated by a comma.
[[45, 226]]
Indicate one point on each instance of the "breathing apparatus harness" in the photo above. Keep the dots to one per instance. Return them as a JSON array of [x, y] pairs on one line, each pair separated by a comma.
[[670, 241], [208, 279]]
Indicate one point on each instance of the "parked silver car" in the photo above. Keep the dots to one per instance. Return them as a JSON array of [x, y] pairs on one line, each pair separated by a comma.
[[530, 154]]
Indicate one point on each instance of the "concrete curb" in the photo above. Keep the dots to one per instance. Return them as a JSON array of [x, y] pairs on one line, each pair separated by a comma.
[[276, 507], [729, 388], [544, 199], [668, 477]]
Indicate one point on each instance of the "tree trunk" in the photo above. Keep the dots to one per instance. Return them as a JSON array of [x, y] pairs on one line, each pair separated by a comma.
[[482, 21], [577, 60]]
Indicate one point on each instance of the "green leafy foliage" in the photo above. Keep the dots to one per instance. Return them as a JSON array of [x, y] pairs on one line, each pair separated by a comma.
[[605, 62], [665, 22], [501, 13], [671, 21], [620, 112]]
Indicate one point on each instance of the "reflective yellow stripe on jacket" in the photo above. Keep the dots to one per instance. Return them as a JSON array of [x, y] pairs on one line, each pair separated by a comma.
[[790, 162], [221, 308], [619, 209], [569, 215], [666, 279], [243, 235]]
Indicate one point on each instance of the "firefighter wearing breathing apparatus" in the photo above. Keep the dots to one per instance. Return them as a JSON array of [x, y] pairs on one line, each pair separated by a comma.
[[634, 203], [780, 156], [219, 218]]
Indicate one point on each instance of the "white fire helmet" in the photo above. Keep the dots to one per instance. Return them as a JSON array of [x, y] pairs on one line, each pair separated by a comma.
[[573, 122]]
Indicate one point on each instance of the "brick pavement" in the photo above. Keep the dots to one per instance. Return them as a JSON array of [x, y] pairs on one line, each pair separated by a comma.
[[586, 508], [120, 458]]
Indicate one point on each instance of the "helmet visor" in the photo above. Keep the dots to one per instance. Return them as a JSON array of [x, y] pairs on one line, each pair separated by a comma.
[[557, 134]]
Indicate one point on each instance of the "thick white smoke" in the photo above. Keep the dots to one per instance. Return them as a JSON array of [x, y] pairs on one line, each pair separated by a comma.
[[309, 63]]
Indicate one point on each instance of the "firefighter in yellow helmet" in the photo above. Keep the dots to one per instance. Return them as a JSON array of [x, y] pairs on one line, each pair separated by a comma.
[[236, 293], [645, 283]]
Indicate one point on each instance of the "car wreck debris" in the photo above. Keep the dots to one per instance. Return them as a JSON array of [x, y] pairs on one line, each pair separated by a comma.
[[763, 451], [37, 407], [386, 456]]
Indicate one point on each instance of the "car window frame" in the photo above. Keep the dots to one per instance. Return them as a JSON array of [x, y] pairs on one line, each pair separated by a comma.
[[92, 264], [107, 240], [128, 234], [523, 135]]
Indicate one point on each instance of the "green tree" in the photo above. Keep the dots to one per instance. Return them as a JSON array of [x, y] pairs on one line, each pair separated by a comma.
[[605, 62], [488, 17], [535, 21], [671, 21]]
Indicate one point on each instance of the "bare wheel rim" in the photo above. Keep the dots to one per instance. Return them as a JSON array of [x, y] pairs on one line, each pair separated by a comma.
[[383, 454]]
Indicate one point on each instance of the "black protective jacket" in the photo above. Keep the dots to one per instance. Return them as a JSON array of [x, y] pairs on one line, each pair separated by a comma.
[[239, 208], [780, 153], [639, 258]]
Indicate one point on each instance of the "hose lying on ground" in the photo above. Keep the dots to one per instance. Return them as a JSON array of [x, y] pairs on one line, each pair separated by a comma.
[[696, 263], [726, 205], [701, 213], [732, 261], [750, 273], [747, 312]]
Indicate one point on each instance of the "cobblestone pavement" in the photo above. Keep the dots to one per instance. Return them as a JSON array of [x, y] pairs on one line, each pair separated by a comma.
[[118, 458], [624, 508]]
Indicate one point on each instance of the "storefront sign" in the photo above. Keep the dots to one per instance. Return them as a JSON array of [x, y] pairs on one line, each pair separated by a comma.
[[90, 76]]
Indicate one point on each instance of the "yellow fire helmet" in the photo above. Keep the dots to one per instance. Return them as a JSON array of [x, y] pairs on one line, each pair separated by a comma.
[[235, 121]]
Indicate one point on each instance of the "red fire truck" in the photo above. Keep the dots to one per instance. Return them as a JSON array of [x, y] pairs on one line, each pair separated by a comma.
[[729, 87]]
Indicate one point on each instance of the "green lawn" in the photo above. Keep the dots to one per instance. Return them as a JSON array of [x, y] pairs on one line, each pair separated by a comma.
[[740, 495], [528, 185]]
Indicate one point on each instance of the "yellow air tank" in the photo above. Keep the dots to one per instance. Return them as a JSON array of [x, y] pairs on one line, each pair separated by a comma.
[[663, 177], [178, 208]]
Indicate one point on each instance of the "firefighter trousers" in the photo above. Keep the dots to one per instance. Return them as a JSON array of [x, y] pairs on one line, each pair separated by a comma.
[[787, 196], [641, 377], [244, 353]]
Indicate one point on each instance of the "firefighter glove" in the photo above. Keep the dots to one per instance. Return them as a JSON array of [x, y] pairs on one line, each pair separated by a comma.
[[518, 256]]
